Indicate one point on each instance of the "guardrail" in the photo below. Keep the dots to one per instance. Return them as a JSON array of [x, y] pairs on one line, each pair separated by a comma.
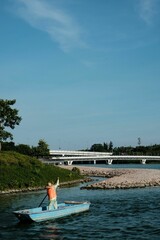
[[98, 157]]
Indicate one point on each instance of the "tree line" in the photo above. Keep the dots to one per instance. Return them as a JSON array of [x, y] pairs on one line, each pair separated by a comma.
[[42, 149], [129, 150], [9, 118]]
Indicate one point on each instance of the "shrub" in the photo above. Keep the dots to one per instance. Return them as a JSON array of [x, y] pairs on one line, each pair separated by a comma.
[[21, 171], [76, 170]]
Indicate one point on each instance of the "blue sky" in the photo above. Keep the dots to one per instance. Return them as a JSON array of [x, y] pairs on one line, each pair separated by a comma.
[[82, 71]]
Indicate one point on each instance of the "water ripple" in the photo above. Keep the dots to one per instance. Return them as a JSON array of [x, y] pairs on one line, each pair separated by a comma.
[[114, 214]]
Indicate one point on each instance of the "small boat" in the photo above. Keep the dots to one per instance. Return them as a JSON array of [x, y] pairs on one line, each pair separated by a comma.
[[43, 213]]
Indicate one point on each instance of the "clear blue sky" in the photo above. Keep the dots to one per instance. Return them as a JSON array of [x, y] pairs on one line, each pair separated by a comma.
[[82, 71]]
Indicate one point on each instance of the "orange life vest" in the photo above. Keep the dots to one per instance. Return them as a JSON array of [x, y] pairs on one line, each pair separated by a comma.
[[51, 192]]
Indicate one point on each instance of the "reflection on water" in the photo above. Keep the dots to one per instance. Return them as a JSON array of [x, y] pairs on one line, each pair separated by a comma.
[[50, 232], [114, 214]]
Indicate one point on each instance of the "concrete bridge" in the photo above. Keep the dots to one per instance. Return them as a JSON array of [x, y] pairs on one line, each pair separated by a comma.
[[70, 157]]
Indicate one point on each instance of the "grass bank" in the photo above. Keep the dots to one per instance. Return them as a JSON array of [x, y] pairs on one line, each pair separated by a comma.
[[19, 171]]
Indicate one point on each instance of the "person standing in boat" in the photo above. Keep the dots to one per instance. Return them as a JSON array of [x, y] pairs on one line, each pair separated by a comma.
[[52, 194]]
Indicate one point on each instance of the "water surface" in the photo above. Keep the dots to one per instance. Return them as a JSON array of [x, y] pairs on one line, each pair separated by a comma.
[[114, 214]]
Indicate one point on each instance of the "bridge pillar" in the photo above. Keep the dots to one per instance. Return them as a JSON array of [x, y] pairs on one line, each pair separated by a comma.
[[109, 161], [143, 161], [68, 162], [94, 161]]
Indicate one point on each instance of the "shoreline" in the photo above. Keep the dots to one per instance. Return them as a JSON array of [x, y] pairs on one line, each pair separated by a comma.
[[115, 179], [120, 178], [33, 189]]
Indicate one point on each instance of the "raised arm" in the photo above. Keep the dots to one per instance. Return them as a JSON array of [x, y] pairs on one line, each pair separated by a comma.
[[57, 183]]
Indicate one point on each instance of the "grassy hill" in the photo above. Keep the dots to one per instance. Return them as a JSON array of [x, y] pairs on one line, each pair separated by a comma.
[[19, 171]]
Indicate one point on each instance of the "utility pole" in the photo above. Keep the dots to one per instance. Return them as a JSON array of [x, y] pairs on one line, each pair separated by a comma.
[[139, 141]]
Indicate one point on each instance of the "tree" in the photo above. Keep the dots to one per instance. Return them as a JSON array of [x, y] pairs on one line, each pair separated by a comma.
[[98, 147], [42, 148], [8, 118], [24, 149], [8, 146], [105, 146], [110, 146]]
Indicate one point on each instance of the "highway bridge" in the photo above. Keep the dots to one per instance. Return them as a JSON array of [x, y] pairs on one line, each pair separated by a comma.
[[71, 157]]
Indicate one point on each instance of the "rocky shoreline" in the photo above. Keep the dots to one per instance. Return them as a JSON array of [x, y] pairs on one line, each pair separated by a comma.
[[32, 189], [115, 179], [121, 178]]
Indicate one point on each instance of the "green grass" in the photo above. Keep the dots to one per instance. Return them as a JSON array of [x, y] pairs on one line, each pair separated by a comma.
[[19, 171]]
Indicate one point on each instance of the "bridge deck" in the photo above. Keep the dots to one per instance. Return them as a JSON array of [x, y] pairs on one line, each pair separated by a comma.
[[63, 156]]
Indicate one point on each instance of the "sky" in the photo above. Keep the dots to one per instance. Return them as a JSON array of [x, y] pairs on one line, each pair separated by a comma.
[[82, 71]]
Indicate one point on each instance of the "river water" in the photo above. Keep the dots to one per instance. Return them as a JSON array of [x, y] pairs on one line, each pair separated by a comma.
[[114, 214]]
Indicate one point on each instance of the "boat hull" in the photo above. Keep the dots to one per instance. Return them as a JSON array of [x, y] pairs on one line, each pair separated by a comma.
[[43, 213]]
